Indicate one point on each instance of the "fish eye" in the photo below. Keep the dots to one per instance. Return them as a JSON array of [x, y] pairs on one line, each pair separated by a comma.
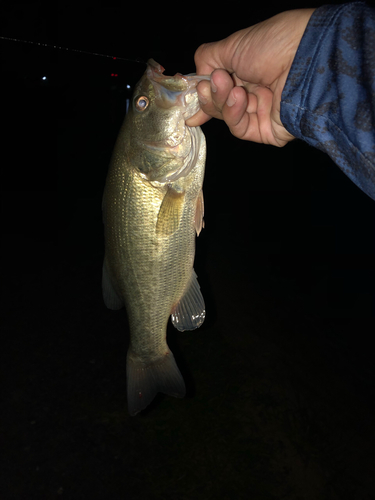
[[142, 103]]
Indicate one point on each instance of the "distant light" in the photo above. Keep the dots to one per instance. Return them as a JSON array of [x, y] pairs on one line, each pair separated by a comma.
[[128, 86], [114, 58], [44, 78], [114, 74]]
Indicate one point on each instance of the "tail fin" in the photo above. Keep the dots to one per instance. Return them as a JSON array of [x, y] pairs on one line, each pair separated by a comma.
[[144, 381]]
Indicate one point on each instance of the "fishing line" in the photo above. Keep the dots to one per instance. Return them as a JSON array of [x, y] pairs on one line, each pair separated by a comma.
[[72, 50]]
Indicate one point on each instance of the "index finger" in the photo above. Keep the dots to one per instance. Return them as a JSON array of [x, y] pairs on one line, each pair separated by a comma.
[[210, 56], [198, 119]]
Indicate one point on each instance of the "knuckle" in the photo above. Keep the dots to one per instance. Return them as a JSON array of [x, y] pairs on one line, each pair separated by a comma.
[[200, 51]]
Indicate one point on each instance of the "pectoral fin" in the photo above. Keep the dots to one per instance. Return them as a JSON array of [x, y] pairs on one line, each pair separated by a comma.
[[170, 213], [199, 213], [190, 312]]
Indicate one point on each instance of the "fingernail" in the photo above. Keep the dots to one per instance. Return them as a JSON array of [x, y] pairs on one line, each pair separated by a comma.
[[213, 86], [231, 100]]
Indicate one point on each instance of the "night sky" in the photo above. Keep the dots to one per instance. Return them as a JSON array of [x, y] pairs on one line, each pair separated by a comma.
[[280, 378]]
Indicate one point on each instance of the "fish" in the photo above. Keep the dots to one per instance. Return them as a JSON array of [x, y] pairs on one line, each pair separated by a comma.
[[153, 209]]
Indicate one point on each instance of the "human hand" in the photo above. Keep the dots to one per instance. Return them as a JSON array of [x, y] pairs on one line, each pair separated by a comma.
[[248, 73]]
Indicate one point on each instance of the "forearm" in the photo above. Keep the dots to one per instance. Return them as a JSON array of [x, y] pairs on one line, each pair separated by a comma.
[[329, 96]]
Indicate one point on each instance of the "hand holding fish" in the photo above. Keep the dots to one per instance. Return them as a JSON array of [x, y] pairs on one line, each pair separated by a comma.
[[248, 73]]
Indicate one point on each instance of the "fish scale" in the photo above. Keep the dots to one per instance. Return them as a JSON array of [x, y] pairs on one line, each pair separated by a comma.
[[150, 227]]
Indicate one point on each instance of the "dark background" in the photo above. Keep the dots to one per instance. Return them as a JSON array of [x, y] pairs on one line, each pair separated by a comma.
[[280, 378]]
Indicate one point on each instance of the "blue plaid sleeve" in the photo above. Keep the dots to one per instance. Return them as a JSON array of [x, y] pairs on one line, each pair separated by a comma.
[[329, 96]]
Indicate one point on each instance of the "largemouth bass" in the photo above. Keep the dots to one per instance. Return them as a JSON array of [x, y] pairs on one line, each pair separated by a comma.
[[152, 210]]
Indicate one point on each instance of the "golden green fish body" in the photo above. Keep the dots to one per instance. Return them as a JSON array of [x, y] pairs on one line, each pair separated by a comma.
[[151, 218]]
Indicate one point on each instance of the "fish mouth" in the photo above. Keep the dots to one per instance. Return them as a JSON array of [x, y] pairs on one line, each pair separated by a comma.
[[178, 90]]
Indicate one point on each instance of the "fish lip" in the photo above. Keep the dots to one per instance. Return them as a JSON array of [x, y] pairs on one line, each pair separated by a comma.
[[178, 89]]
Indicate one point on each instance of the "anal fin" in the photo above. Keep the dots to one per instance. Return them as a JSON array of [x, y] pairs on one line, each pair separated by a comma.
[[190, 312]]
